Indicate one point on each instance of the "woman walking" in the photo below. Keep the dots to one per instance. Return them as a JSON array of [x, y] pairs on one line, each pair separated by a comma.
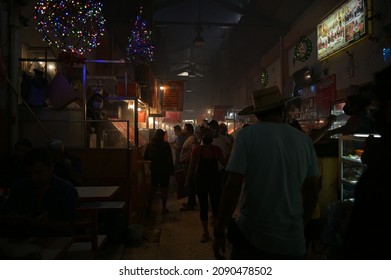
[[204, 163], [158, 151]]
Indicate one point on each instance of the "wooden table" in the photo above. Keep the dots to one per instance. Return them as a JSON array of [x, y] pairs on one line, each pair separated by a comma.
[[96, 193], [102, 205], [45, 248]]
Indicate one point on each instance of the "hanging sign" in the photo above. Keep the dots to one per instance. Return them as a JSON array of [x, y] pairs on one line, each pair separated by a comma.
[[173, 95], [346, 25], [326, 92]]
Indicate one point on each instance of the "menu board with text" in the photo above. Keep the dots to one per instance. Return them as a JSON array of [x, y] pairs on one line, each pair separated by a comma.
[[344, 26], [326, 93]]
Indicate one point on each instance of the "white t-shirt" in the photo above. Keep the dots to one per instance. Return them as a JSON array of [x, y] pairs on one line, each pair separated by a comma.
[[275, 159]]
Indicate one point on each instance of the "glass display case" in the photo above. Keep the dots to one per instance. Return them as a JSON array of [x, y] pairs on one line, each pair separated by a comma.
[[125, 115], [133, 110], [337, 110], [351, 148]]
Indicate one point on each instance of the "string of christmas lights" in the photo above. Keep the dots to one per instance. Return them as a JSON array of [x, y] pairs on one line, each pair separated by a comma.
[[140, 47], [303, 49], [264, 78], [73, 26]]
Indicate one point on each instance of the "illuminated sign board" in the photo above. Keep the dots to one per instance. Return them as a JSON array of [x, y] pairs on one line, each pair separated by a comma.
[[343, 27]]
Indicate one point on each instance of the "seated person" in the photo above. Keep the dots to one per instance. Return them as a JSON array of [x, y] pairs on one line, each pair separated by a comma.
[[63, 165], [11, 166], [95, 113], [41, 204], [107, 133], [94, 107]]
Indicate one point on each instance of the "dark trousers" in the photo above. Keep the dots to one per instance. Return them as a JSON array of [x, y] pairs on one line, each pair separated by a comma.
[[208, 191], [191, 199], [242, 249]]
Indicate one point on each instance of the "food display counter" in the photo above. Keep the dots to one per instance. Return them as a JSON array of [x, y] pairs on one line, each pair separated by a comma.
[[350, 166], [122, 102]]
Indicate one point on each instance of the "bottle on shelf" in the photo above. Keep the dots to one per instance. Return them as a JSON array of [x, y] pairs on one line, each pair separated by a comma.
[[93, 138], [103, 140]]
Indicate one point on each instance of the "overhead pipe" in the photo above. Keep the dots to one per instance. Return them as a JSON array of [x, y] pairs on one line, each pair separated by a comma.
[[160, 23]]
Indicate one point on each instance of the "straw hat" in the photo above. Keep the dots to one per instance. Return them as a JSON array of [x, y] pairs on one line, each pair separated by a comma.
[[264, 100]]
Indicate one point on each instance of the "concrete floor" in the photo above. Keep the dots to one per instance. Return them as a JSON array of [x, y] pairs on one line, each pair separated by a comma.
[[172, 236]]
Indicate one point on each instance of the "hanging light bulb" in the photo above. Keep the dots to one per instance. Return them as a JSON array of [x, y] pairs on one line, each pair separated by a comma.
[[198, 40]]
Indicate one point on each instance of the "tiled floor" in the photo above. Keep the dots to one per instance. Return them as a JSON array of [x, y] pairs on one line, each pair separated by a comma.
[[173, 236]]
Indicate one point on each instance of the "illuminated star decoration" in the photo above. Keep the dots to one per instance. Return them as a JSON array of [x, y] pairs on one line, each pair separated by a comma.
[[140, 47], [73, 26]]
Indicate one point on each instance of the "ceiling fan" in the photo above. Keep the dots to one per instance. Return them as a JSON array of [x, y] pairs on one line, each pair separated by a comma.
[[190, 70]]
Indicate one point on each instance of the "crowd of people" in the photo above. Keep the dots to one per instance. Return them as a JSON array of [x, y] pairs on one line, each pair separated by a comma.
[[277, 180], [277, 206], [200, 154], [270, 167]]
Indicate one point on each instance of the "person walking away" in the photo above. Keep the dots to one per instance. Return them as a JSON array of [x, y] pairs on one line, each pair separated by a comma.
[[158, 151], [204, 164], [222, 142], [224, 132], [188, 146], [177, 146], [276, 165], [198, 132]]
